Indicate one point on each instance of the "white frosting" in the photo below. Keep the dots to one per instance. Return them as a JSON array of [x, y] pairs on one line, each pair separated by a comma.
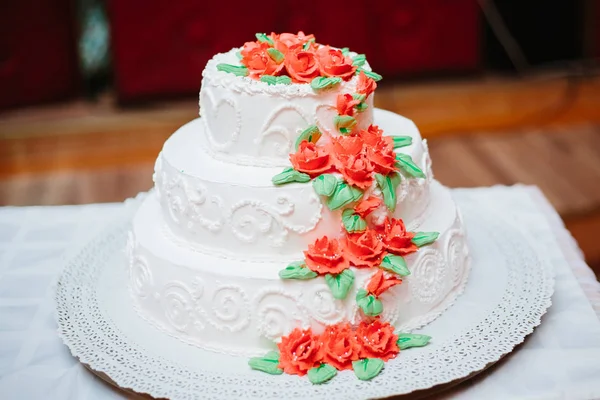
[[235, 211], [240, 307], [252, 123]]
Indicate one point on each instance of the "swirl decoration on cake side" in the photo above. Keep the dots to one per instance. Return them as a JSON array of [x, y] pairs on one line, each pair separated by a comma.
[[278, 312], [229, 309], [212, 111], [251, 219], [293, 115], [177, 305], [196, 196], [324, 308], [456, 255], [428, 277]]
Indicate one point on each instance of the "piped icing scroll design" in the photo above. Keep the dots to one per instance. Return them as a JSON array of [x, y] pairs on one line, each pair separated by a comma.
[[278, 312], [177, 305], [140, 275], [251, 219], [272, 128], [229, 308], [457, 254], [213, 110], [428, 277], [324, 308], [197, 201]]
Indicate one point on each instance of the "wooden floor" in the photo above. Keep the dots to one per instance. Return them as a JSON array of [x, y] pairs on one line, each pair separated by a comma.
[[481, 132]]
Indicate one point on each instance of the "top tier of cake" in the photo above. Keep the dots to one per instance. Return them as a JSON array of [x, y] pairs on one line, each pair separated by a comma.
[[251, 122]]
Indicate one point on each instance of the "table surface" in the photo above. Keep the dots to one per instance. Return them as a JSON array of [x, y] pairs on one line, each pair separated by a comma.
[[561, 359]]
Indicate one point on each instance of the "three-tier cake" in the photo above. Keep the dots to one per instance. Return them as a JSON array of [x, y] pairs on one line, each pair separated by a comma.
[[293, 222]]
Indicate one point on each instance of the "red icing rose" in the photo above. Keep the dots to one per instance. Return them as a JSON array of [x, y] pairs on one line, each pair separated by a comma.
[[395, 237], [377, 340], [367, 206], [382, 156], [364, 249], [365, 85], [357, 170], [326, 256], [333, 63], [379, 283], [345, 104], [372, 135], [311, 159], [299, 352], [258, 61], [347, 146], [301, 65], [339, 346], [286, 41]]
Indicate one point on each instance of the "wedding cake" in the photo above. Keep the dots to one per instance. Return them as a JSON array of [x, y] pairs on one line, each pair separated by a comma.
[[293, 223]]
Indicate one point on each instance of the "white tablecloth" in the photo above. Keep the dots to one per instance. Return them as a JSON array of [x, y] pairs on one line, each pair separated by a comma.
[[561, 359]]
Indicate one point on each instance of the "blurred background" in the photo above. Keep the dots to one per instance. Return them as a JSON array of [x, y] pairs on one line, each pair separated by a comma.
[[506, 91]]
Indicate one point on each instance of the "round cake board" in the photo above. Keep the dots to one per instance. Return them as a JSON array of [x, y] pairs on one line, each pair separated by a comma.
[[508, 291]]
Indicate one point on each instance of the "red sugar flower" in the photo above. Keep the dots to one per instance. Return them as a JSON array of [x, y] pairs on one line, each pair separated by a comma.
[[365, 85], [299, 352], [379, 283], [333, 63], [339, 346], [311, 159], [364, 249], [377, 340], [345, 104], [367, 206], [301, 65], [258, 61], [395, 237], [326, 256], [382, 156]]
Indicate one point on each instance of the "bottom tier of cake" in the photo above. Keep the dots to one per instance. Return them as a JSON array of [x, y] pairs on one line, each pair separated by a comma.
[[241, 307]]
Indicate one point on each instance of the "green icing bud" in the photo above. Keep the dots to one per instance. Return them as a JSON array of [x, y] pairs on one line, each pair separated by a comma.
[[310, 134], [344, 123]]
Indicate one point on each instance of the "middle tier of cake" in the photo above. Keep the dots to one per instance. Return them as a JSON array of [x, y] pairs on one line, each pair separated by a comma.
[[236, 212]]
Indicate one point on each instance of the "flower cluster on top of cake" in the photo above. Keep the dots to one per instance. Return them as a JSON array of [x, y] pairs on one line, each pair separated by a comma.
[[288, 58]]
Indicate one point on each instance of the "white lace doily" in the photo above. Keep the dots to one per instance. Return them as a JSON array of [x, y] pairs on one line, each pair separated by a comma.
[[508, 292]]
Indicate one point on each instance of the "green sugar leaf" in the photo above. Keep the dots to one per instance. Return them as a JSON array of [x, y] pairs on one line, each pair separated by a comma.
[[238, 54], [408, 340], [325, 184], [395, 264], [353, 222], [369, 304], [388, 185], [367, 368], [276, 55], [340, 283], [297, 270], [408, 167], [359, 97], [402, 141], [321, 374], [261, 37], [290, 175], [310, 134], [324, 82], [362, 107], [424, 238], [238, 70], [345, 51], [373, 75], [344, 123], [269, 363], [284, 80], [343, 195], [271, 80], [359, 60], [306, 45]]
